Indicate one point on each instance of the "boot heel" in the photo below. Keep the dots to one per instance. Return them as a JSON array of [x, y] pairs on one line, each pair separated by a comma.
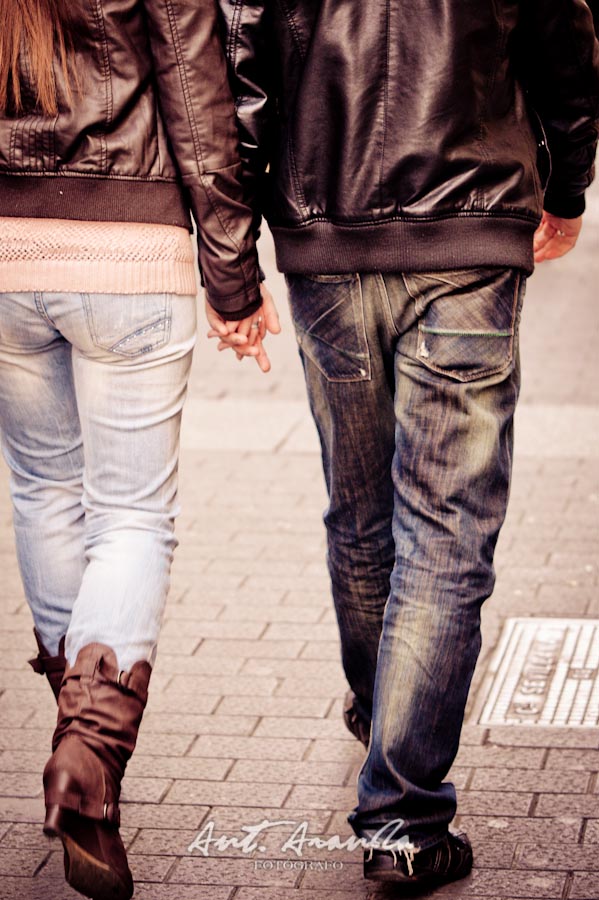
[[55, 821]]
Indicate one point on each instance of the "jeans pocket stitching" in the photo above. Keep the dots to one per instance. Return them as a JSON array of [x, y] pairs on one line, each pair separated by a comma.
[[164, 318], [479, 373], [360, 358]]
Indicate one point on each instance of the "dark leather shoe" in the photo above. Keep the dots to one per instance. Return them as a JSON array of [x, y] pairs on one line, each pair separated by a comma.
[[354, 721], [447, 860]]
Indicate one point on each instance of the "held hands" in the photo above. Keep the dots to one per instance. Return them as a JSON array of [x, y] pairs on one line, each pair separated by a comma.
[[555, 237], [246, 336]]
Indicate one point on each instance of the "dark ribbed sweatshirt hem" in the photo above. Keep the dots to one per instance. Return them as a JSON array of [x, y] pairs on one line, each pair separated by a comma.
[[407, 245], [93, 199]]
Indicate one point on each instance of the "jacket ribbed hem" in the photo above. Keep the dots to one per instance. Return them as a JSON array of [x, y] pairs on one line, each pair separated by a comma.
[[93, 199], [97, 277], [407, 245]]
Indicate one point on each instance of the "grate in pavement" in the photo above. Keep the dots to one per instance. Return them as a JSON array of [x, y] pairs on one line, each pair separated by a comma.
[[545, 672]]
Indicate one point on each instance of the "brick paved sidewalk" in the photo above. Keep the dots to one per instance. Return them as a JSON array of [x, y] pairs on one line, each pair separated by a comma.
[[244, 718]]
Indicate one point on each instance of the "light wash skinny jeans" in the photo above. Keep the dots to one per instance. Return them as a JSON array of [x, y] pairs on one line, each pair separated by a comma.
[[91, 392]]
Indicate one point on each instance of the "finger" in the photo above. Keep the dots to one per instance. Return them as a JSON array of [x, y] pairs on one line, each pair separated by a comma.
[[231, 338], [269, 311], [216, 322], [262, 358], [256, 327]]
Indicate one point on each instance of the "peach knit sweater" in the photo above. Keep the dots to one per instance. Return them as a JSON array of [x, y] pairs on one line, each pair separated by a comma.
[[95, 257]]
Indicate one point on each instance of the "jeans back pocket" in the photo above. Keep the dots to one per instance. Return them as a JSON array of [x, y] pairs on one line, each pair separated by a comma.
[[467, 320], [128, 325], [328, 316]]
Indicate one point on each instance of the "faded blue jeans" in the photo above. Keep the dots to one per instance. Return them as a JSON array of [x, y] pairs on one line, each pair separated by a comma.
[[412, 380], [91, 392]]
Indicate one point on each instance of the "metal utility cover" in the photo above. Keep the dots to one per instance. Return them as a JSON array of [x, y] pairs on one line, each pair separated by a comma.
[[545, 672]]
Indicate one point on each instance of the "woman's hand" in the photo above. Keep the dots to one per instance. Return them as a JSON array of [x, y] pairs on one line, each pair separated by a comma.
[[555, 237], [246, 336]]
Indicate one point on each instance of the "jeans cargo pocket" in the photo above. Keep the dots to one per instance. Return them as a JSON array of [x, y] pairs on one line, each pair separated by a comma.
[[128, 325], [328, 315], [467, 320]]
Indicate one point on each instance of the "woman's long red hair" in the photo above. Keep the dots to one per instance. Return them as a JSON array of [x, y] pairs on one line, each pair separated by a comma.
[[40, 29]]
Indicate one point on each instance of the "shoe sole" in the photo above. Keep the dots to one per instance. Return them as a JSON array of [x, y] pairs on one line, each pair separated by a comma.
[[83, 872]]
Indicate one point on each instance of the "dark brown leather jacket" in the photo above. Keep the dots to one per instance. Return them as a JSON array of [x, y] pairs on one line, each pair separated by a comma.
[[413, 134], [149, 135]]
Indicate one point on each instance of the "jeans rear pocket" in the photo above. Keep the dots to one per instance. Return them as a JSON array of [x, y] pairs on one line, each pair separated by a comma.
[[328, 315], [128, 325], [467, 320]]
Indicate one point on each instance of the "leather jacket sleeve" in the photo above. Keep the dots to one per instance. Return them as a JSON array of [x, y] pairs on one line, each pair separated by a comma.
[[198, 112], [251, 64], [559, 65]]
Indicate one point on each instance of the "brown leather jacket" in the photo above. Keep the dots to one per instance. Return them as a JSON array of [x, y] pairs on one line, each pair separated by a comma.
[[413, 134], [148, 136]]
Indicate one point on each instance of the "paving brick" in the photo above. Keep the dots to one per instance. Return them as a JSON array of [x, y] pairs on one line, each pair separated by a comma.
[[291, 894], [302, 707], [149, 868], [523, 736], [243, 612], [243, 648], [584, 887], [22, 809], [197, 665], [235, 792], [237, 685], [25, 861], [167, 745], [500, 757], [223, 870], [591, 835], [175, 702], [580, 759], [305, 727], [172, 891], [512, 829], [322, 797], [285, 632], [328, 650], [18, 784], [312, 687], [163, 841], [162, 815], [331, 751], [554, 781], [500, 803], [169, 725], [39, 888], [557, 856], [249, 748], [229, 819], [307, 772], [562, 804], [221, 630], [167, 767]]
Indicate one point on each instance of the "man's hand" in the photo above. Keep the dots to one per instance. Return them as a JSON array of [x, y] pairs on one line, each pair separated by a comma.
[[246, 336], [555, 237]]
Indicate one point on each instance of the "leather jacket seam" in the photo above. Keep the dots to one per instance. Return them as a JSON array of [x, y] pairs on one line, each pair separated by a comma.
[[416, 219], [385, 102], [197, 144], [106, 79]]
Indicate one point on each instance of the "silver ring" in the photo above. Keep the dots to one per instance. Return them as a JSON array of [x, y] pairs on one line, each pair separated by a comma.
[[560, 232], [255, 325]]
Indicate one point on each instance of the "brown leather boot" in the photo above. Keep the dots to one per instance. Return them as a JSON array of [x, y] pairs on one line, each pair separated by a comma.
[[99, 712], [51, 666]]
